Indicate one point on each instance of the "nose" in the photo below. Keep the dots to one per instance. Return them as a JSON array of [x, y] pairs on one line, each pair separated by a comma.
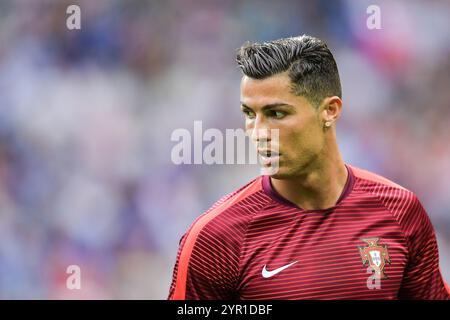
[[259, 130]]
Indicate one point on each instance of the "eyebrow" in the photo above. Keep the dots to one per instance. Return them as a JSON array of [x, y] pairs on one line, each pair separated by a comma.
[[269, 106]]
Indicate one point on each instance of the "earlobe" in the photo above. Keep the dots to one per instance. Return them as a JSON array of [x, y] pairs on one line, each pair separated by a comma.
[[327, 120]]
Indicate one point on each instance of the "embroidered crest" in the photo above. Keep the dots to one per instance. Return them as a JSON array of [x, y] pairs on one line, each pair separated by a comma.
[[376, 255]]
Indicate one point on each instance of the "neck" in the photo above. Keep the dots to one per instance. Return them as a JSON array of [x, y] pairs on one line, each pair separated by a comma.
[[319, 187]]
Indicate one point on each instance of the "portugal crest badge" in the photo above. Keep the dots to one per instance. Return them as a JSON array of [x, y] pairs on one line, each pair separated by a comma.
[[376, 256]]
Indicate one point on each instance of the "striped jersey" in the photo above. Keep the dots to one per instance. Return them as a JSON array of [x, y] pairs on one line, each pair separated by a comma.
[[377, 242]]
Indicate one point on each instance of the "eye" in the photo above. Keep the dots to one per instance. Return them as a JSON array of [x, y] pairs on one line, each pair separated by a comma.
[[276, 114], [248, 114]]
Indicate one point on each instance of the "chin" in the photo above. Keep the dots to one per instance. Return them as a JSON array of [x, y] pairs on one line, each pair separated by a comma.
[[280, 173]]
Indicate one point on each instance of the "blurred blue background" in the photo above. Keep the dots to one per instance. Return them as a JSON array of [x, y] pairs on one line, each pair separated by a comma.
[[86, 117]]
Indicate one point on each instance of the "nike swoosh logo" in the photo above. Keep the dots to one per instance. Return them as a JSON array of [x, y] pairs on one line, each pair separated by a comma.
[[268, 274]]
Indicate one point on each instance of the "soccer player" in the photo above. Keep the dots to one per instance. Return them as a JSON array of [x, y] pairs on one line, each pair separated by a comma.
[[317, 228]]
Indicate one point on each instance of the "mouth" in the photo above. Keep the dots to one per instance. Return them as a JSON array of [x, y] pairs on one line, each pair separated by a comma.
[[268, 153], [268, 157]]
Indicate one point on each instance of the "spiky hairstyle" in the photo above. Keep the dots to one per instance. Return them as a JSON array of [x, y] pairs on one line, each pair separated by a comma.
[[308, 61]]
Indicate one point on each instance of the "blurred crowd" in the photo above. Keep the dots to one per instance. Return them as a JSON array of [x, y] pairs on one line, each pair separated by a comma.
[[86, 118]]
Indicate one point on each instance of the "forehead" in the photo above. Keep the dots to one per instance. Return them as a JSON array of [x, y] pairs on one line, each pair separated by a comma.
[[273, 89]]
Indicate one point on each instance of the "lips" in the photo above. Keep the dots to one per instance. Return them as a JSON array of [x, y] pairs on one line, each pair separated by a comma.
[[268, 153], [268, 157]]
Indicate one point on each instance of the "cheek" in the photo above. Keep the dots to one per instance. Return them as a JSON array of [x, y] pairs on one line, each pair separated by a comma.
[[291, 141], [300, 142], [248, 127]]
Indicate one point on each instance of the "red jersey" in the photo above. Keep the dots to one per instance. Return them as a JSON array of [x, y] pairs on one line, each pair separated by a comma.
[[377, 242]]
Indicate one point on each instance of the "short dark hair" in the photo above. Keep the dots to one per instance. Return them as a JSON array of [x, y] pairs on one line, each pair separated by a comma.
[[310, 65]]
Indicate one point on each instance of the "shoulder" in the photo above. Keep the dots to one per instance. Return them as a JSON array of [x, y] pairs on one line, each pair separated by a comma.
[[381, 187], [226, 220], [401, 202], [368, 180], [243, 200]]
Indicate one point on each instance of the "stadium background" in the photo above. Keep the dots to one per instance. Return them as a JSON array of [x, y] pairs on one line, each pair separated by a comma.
[[86, 118]]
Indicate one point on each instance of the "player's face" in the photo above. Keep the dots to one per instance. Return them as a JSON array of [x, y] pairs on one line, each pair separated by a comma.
[[270, 104]]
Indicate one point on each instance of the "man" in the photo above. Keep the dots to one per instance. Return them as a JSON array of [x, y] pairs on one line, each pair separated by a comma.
[[316, 228]]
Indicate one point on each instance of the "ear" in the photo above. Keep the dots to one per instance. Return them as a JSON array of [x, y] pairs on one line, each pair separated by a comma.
[[331, 109]]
